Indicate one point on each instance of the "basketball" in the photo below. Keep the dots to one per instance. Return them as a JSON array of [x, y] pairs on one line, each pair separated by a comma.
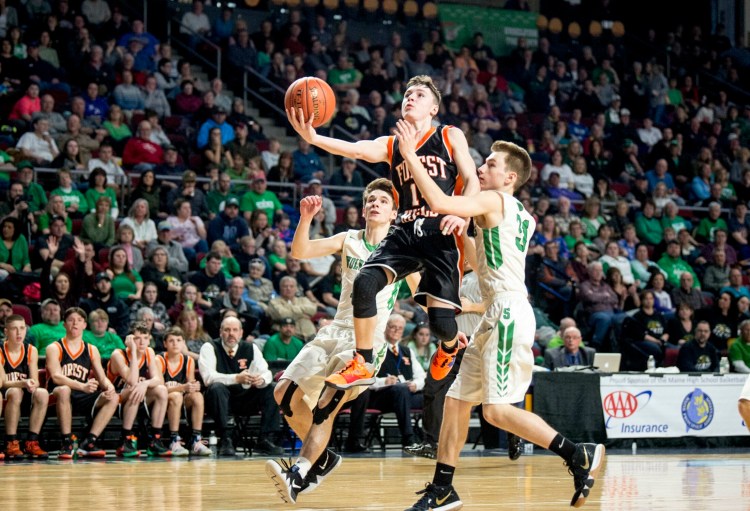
[[314, 96]]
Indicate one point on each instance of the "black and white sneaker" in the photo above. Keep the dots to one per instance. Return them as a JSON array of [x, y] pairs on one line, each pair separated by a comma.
[[584, 467], [287, 479], [515, 446], [422, 450], [437, 498], [320, 470]]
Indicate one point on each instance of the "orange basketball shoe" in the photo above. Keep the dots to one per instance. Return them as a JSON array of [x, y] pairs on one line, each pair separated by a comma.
[[442, 362], [356, 372], [13, 450], [33, 451]]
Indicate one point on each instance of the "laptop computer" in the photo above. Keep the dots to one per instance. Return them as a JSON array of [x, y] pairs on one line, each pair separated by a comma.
[[607, 362]]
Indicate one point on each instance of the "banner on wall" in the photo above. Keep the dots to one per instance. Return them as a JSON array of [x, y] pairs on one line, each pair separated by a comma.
[[672, 405], [500, 28]]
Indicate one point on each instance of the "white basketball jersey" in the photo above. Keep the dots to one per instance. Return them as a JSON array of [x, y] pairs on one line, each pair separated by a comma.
[[354, 254], [501, 250]]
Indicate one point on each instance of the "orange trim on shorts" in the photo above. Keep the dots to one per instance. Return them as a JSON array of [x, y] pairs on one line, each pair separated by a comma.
[[446, 140]]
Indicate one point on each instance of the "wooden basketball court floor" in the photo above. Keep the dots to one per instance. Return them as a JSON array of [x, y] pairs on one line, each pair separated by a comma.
[[537, 482]]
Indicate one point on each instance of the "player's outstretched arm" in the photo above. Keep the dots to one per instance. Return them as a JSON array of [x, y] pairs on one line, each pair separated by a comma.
[[464, 162], [438, 201], [373, 151], [305, 248]]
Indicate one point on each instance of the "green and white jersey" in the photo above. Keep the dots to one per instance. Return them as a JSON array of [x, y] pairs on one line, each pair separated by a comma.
[[353, 256], [501, 250]]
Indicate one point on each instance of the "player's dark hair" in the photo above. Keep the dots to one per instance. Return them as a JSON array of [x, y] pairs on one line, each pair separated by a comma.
[[174, 331], [139, 327], [426, 81], [382, 184], [14, 317], [516, 160]]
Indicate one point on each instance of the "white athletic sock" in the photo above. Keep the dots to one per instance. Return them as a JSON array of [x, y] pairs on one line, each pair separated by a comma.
[[304, 465]]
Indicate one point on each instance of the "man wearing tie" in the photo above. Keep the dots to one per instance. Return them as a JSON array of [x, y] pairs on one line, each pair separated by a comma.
[[399, 383], [238, 380]]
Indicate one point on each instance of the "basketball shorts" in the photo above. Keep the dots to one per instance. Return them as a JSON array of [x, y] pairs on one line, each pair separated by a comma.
[[408, 249], [83, 403], [331, 349], [498, 363], [745, 394]]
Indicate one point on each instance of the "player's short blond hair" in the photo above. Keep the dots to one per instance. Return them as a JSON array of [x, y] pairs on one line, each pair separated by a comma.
[[382, 184], [516, 160], [426, 81]]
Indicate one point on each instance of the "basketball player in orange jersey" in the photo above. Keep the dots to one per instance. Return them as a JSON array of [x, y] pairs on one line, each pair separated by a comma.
[[178, 371], [80, 385], [419, 240], [20, 363], [137, 376]]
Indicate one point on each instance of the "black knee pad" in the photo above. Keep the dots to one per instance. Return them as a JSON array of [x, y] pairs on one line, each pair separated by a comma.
[[368, 283], [288, 393], [321, 414], [443, 323]]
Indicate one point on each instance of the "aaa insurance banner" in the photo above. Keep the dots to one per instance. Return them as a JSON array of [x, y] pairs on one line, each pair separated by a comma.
[[672, 405]]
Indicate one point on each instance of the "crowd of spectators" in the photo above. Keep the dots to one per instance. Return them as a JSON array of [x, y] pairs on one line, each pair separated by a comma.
[[640, 187]]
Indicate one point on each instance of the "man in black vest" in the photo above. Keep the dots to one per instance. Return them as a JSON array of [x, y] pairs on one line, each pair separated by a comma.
[[399, 383], [239, 381]]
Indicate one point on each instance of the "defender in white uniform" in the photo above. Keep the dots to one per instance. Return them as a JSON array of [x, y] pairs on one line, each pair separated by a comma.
[[309, 406], [496, 369]]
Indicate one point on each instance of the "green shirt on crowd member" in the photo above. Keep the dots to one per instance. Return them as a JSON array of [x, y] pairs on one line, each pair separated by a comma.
[[649, 230], [215, 198], [105, 343], [674, 267], [276, 349], [273, 259], [44, 223], [117, 132], [104, 235], [18, 255], [123, 286], [707, 227], [229, 266], [71, 197], [677, 223], [37, 195], [42, 335], [740, 351], [267, 201], [93, 195]]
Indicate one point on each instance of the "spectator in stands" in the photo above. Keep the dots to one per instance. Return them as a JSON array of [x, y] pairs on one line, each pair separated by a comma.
[[259, 288], [127, 95], [158, 271], [80, 386], [675, 267], [614, 257], [74, 201], [719, 243], [59, 237], [187, 300], [349, 176], [148, 189], [723, 320], [126, 282], [144, 229], [739, 352], [698, 355], [644, 335], [218, 120], [50, 329], [350, 220], [195, 24], [307, 164], [716, 275], [99, 225], [164, 240], [243, 55], [315, 187], [288, 304], [228, 226], [106, 160], [248, 311], [188, 101], [140, 152], [57, 123], [217, 197], [215, 153], [188, 229], [688, 291], [735, 287], [150, 299], [14, 249], [210, 281], [571, 353], [99, 335], [271, 156], [117, 127], [105, 298], [17, 207], [70, 157], [238, 381], [98, 188], [260, 198], [38, 146], [151, 43], [155, 99], [242, 143], [648, 228], [707, 227], [599, 302], [283, 345], [189, 192], [27, 105]]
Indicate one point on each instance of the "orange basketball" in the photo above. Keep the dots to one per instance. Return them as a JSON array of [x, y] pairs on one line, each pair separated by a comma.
[[314, 96]]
